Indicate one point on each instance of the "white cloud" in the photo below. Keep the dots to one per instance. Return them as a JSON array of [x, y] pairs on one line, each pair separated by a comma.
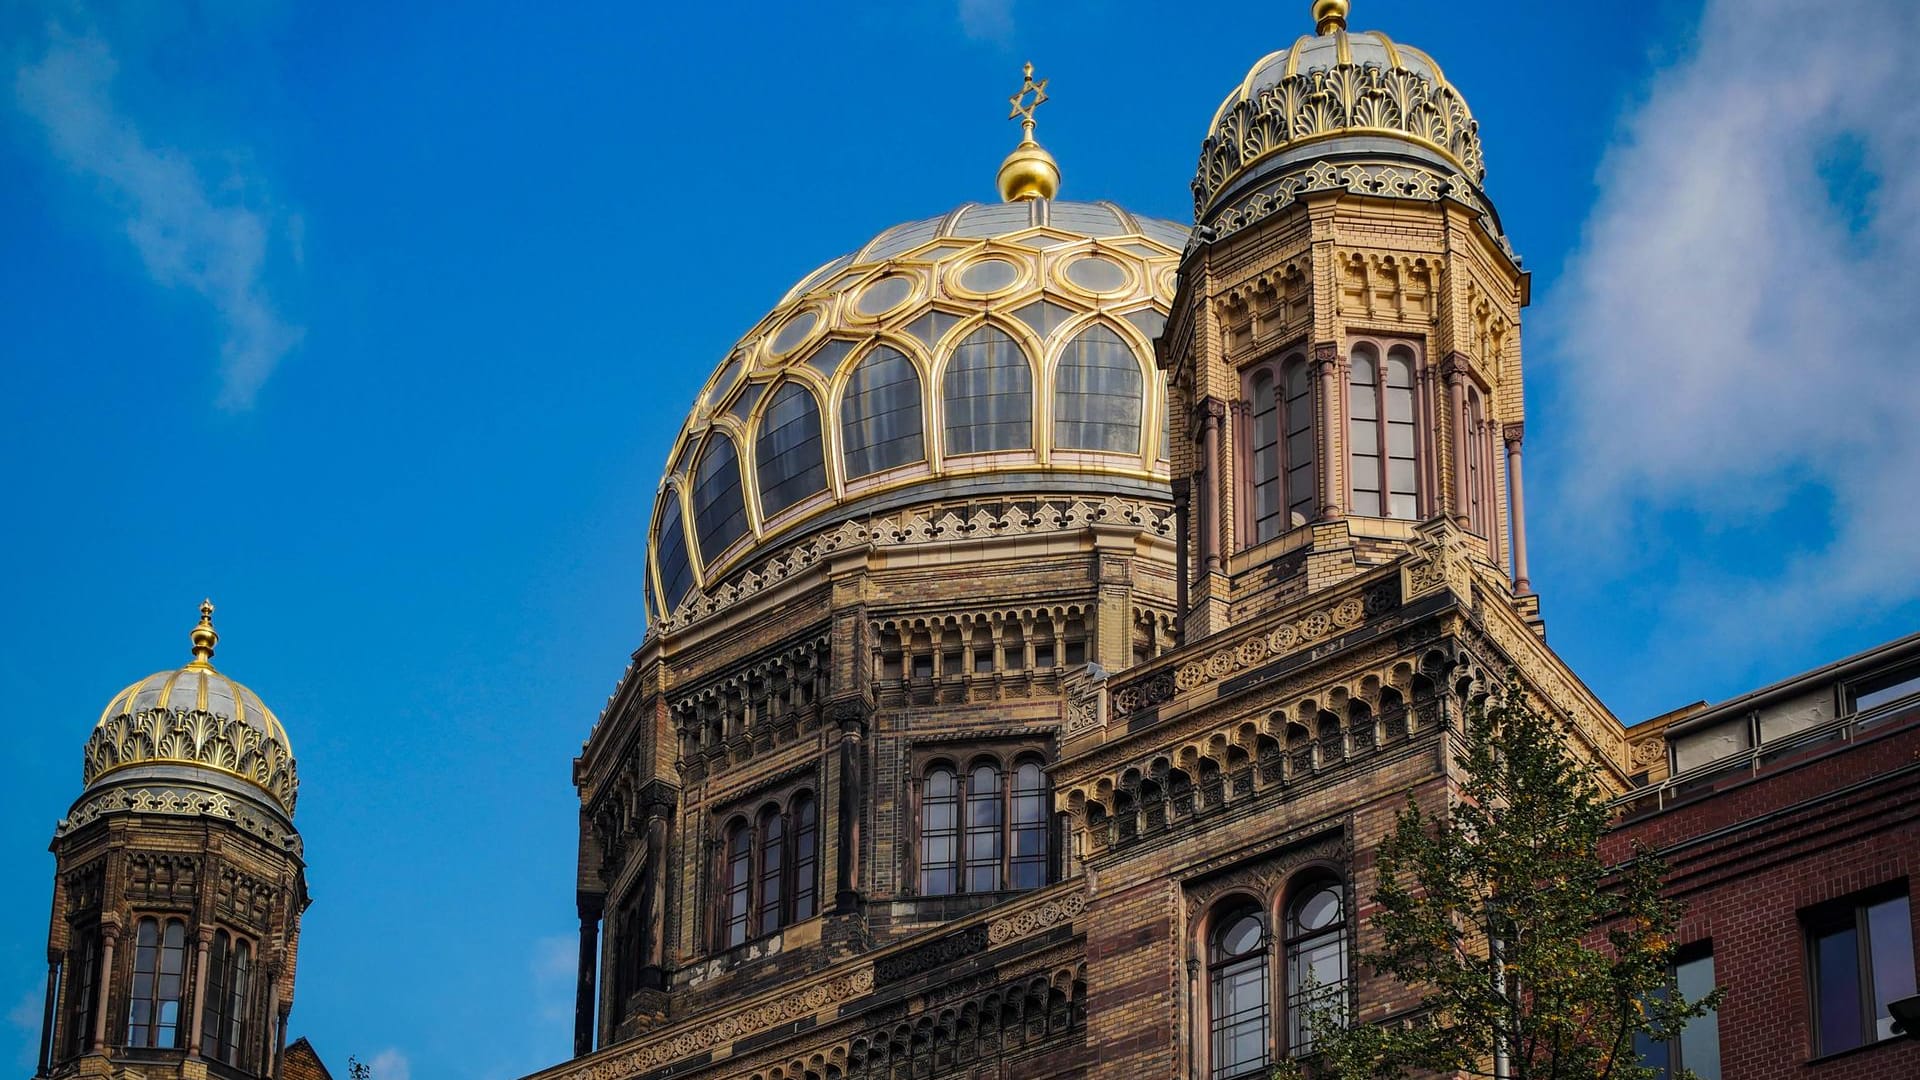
[[987, 20], [189, 232], [1734, 332], [391, 1064]]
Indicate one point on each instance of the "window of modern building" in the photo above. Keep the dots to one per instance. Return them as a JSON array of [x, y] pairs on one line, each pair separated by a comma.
[[229, 981], [988, 393], [159, 983], [880, 421], [1697, 1047], [1238, 999], [1860, 959], [1886, 688], [1380, 433], [787, 455], [769, 876], [1281, 454], [1097, 394], [719, 509], [83, 997], [676, 570], [1316, 960], [984, 830]]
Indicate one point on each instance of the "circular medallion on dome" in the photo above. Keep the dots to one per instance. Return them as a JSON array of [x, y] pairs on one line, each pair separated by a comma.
[[989, 276], [1097, 274], [794, 332], [884, 295]]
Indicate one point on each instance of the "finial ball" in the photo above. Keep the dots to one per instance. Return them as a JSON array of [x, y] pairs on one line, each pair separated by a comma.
[[1329, 16], [204, 636]]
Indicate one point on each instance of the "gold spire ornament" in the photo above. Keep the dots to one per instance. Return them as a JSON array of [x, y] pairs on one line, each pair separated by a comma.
[[1029, 172], [1329, 15], [204, 636]]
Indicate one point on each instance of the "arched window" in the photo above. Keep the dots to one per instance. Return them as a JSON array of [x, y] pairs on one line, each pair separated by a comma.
[[719, 510], [670, 551], [940, 833], [806, 857], [1479, 485], [988, 392], [773, 854], [1281, 452], [984, 823], [1028, 864], [1380, 433], [159, 978], [1316, 960], [880, 422], [83, 1001], [229, 981], [1238, 997], [739, 894], [1096, 394], [789, 461]]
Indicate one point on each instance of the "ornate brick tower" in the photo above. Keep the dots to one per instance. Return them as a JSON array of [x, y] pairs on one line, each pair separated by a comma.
[[1343, 354], [178, 885]]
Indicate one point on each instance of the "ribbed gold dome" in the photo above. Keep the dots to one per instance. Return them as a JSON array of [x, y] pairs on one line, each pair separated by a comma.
[[192, 723]]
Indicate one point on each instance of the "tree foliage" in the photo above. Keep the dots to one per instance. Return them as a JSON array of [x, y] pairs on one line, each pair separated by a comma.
[[1533, 958]]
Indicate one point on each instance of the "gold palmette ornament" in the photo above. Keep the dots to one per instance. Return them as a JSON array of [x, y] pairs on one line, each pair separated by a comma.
[[1029, 172]]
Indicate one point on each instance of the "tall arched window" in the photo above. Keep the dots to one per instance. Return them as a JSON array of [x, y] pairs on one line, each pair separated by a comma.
[[738, 909], [1028, 864], [83, 1001], [159, 983], [1097, 394], [773, 855], [939, 833], [984, 824], [1239, 1002], [988, 394], [670, 551], [1380, 433], [880, 422], [1479, 484], [787, 454], [1316, 960], [806, 857], [719, 510], [229, 981], [1282, 444]]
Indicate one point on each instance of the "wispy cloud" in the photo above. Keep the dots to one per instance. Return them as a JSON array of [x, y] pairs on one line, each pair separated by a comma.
[[1734, 332], [987, 20], [391, 1064], [190, 232]]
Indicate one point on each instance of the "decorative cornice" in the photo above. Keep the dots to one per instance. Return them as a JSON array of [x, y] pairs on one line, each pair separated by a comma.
[[193, 737], [184, 802]]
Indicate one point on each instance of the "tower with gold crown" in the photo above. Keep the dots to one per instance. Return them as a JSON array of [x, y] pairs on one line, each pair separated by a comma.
[[179, 885]]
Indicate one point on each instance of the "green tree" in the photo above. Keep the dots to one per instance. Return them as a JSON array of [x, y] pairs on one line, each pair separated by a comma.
[[1494, 912]]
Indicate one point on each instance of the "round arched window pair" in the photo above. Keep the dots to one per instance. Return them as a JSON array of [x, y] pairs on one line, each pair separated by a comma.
[[1239, 997]]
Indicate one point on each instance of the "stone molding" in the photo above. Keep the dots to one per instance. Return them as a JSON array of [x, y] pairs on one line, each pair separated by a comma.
[[188, 802]]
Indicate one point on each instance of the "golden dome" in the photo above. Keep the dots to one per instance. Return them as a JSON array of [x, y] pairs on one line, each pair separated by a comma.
[[1355, 108], [192, 725], [926, 365]]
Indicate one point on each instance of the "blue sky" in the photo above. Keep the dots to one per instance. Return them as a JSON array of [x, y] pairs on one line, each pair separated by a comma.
[[374, 323]]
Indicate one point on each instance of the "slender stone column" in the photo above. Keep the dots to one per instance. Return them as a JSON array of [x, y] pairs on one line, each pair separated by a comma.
[[46, 1017], [107, 936], [280, 1038], [1457, 406], [199, 1021], [853, 800], [590, 905], [1182, 555], [1210, 506], [658, 815], [1326, 361], [1517, 505]]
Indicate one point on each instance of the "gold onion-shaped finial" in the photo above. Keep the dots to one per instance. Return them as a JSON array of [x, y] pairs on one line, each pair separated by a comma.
[[1029, 172], [1329, 15], [204, 636]]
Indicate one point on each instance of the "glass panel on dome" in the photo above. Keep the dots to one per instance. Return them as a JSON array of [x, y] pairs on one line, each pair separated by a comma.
[[826, 359], [670, 553], [989, 275], [901, 238], [1170, 233], [1096, 274], [742, 406], [814, 279], [724, 381], [996, 220], [1087, 219], [794, 331], [1144, 251], [932, 326], [789, 460], [1148, 321], [1096, 394], [1043, 316], [880, 422], [884, 295], [719, 509], [988, 390]]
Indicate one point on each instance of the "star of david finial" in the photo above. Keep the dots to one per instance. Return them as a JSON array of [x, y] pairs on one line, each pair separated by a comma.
[[1031, 96]]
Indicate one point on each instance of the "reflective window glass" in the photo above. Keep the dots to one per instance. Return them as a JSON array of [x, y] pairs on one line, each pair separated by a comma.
[[789, 459], [988, 392], [1239, 997], [939, 833], [719, 509], [670, 551], [1097, 394], [880, 421]]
